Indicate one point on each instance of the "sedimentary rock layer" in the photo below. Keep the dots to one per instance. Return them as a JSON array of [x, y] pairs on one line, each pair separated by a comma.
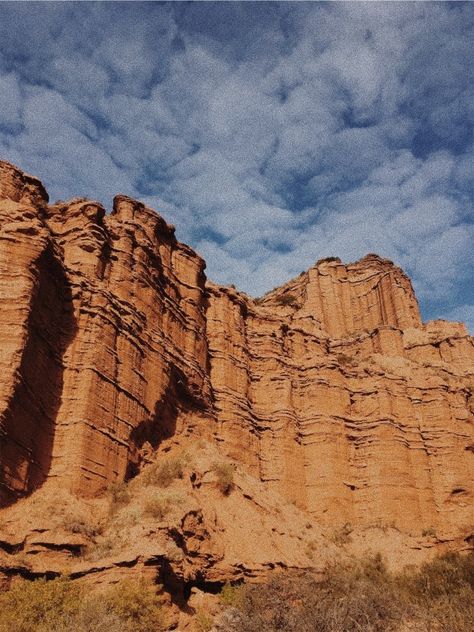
[[330, 389]]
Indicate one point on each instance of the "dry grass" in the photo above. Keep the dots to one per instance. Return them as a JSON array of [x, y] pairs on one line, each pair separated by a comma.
[[225, 477], [157, 507], [82, 524], [345, 360], [287, 300], [342, 535], [232, 596], [430, 532], [102, 547], [203, 622], [163, 473], [61, 605], [119, 496], [361, 597]]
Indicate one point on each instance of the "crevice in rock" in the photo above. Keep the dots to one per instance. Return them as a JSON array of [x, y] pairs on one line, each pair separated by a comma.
[[149, 434], [27, 429]]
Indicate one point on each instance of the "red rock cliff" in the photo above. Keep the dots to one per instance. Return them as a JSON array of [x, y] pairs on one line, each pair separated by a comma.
[[330, 389]]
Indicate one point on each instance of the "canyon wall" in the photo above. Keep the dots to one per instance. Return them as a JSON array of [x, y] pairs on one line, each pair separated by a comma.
[[329, 389]]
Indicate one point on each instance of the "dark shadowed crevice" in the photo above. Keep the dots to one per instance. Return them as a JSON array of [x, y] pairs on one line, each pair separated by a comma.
[[149, 434], [28, 426]]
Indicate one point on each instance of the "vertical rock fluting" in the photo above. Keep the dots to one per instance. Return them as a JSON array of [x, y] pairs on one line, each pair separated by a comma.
[[330, 389], [35, 322], [343, 399], [103, 339]]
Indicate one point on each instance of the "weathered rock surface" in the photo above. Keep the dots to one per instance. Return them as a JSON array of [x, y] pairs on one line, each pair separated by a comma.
[[333, 391], [328, 391]]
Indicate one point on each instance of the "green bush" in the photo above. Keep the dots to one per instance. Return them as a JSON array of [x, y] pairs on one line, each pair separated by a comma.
[[136, 605], [39, 605], [231, 595]]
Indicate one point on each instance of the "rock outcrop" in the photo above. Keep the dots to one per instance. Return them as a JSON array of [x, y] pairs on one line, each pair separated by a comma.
[[329, 391], [344, 400]]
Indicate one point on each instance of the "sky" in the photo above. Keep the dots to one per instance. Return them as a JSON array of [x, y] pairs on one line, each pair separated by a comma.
[[270, 134]]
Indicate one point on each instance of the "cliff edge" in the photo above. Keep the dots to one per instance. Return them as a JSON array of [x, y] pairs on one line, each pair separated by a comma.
[[328, 394]]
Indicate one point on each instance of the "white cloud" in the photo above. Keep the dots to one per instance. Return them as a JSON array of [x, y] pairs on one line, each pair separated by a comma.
[[271, 135]]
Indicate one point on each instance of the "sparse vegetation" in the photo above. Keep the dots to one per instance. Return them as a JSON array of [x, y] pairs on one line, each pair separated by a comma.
[[310, 549], [327, 260], [40, 605], [344, 359], [203, 622], [225, 477], [342, 535], [430, 532], [78, 523], [163, 473], [101, 548], [119, 495], [232, 596], [157, 507], [362, 597], [286, 300], [61, 605]]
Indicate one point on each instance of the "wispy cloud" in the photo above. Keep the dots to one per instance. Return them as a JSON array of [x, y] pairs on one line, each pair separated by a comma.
[[270, 134]]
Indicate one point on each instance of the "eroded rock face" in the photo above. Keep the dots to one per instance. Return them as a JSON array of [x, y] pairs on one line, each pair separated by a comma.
[[330, 389]]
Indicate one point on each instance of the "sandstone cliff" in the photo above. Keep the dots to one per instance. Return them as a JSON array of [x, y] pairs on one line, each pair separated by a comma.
[[329, 392]]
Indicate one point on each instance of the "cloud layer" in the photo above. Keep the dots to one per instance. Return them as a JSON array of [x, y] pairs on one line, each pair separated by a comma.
[[271, 134]]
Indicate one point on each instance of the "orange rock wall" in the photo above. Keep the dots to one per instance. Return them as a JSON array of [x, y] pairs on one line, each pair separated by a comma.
[[363, 416], [330, 388], [102, 336]]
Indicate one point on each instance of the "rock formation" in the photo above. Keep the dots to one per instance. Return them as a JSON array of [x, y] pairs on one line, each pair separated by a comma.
[[329, 391]]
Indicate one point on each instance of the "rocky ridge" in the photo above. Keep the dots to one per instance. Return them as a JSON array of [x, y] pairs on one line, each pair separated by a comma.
[[335, 402]]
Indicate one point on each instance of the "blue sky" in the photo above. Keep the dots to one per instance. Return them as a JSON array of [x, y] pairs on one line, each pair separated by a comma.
[[271, 134]]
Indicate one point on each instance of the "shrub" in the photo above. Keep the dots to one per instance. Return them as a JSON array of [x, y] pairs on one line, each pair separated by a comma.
[[101, 548], [344, 359], [60, 605], [76, 523], [157, 507], [136, 605], [203, 622], [225, 477], [364, 597], [231, 596], [286, 300], [162, 474], [430, 532], [342, 535], [441, 577], [327, 260], [298, 603], [39, 605], [119, 496]]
